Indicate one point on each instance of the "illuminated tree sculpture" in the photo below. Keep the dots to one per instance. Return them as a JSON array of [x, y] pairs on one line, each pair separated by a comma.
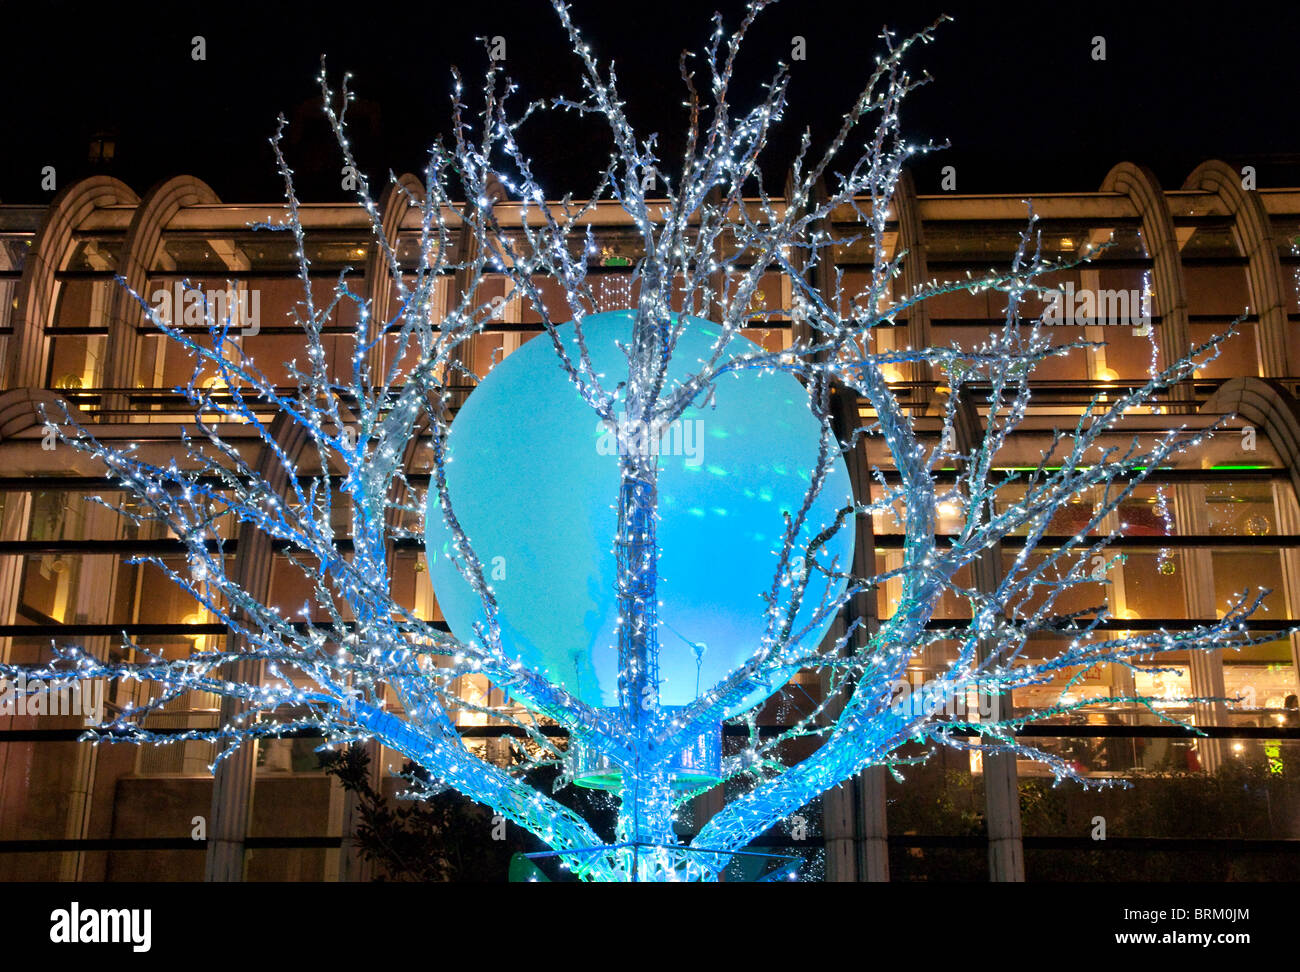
[[357, 665]]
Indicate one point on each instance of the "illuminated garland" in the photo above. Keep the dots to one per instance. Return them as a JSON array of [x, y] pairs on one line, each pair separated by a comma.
[[356, 665]]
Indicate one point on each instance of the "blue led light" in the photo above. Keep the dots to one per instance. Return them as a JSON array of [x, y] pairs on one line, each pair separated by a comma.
[[534, 479]]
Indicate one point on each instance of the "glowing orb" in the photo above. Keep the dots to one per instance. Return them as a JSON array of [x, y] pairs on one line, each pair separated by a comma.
[[534, 481]]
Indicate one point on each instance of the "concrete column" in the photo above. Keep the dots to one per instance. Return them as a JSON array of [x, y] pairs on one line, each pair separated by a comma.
[[1288, 522], [1197, 567], [96, 581], [1001, 779], [853, 820], [15, 758], [1002, 811], [854, 812], [915, 274], [232, 784], [232, 793], [839, 826], [873, 849]]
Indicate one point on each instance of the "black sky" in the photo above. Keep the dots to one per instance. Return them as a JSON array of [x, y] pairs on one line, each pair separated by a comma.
[[1015, 89]]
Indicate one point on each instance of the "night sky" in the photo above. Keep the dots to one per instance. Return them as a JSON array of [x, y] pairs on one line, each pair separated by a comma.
[[1015, 89]]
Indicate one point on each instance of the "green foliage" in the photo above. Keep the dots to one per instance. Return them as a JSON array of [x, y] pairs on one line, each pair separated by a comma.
[[446, 837], [443, 838]]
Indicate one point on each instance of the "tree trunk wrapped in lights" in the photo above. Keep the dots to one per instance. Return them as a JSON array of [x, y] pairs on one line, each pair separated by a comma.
[[357, 665]]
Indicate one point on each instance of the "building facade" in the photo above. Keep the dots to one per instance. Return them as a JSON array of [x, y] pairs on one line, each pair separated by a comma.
[[1171, 269]]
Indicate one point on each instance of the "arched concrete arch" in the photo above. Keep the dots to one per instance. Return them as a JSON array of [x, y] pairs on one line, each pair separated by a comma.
[[20, 409], [800, 332], [822, 276], [393, 206], [463, 277], [1254, 236], [139, 251], [9, 260], [38, 289], [1275, 412], [1269, 407], [380, 286], [1140, 185]]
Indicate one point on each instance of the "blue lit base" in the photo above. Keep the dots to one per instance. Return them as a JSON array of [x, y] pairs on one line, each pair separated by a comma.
[[699, 765]]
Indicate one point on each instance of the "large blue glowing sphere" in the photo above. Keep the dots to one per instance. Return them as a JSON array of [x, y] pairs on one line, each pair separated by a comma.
[[534, 481]]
